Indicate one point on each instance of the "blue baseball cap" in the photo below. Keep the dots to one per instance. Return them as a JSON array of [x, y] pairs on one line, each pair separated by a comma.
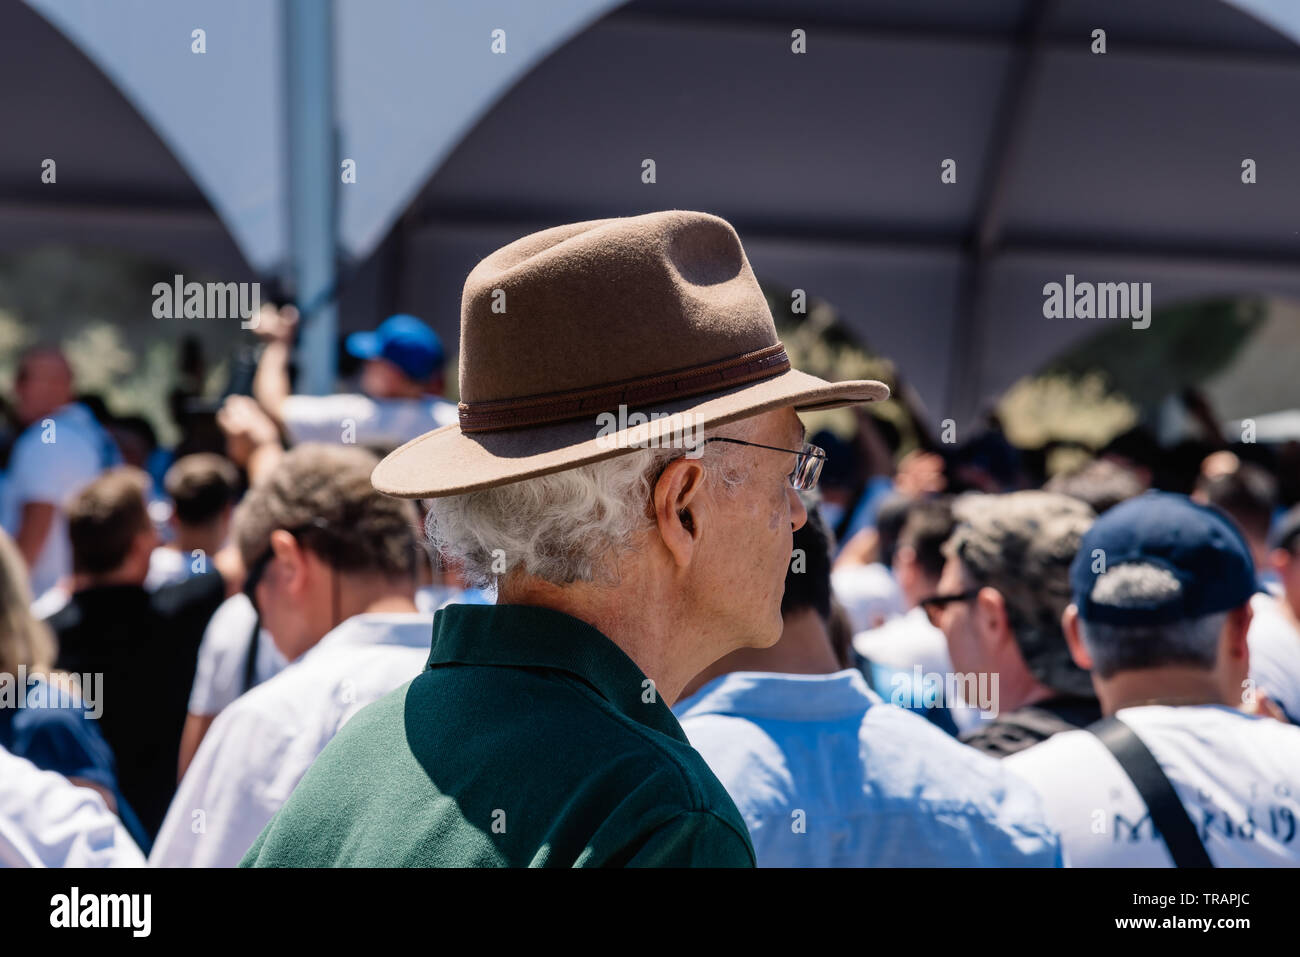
[[1197, 544], [404, 341]]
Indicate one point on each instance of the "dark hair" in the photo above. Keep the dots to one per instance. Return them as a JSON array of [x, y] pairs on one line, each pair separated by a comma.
[[839, 629], [1247, 495], [928, 525], [201, 486], [890, 517], [1102, 483], [887, 431], [97, 406], [138, 426], [1138, 445], [841, 467], [808, 579], [104, 519]]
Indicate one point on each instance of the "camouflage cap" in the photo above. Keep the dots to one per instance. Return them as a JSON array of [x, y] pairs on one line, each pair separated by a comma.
[[1022, 544]]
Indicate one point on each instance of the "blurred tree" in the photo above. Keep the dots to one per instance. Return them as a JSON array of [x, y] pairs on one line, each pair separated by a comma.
[[98, 305]]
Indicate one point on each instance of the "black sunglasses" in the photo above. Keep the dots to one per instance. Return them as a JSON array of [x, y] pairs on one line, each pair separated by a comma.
[[258, 569], [937, 603]]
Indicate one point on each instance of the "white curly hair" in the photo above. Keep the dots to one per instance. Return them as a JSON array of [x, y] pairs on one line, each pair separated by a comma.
[[568, 526]]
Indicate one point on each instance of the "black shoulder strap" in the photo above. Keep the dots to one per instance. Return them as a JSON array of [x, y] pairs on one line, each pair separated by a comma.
[[250, 659], [1167, 812]]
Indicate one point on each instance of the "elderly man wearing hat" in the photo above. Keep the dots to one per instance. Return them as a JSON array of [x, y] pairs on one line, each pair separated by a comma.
[[1179, 773], [401, 385], [625, 467]]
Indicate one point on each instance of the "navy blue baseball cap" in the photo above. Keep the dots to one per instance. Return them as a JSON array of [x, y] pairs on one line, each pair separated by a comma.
[[1197, 544], [404, 341]]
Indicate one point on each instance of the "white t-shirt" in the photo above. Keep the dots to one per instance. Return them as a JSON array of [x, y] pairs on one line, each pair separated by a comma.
[[53, 459], [1275, 655], [868, 593], [258, 749], [1237, 775], [47, 821], [219, 674], [360, 420]]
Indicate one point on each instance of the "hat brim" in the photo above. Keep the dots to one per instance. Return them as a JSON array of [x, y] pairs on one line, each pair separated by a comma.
[[447, 461], [362, 345]]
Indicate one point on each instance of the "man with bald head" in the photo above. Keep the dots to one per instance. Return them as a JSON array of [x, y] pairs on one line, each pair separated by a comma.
[[61, 448]]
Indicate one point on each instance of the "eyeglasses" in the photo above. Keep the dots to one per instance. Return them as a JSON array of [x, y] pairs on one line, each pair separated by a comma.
[[935, 604], [808, 461]]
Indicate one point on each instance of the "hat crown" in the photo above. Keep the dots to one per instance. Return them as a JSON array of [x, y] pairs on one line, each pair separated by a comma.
[[656, 320], [585, 305], [1195, 543]]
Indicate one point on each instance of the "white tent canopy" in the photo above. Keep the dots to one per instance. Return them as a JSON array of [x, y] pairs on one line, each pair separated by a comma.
[[1122, 167]]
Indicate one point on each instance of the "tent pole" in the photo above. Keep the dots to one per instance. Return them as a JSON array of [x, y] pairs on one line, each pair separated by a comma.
[[970, 334], [313, 178]]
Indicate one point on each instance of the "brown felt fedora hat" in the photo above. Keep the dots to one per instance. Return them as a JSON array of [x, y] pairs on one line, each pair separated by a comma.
[[655, 322]]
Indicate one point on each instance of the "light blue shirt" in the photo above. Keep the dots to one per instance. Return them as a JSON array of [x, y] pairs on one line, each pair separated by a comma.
[[826, 774]]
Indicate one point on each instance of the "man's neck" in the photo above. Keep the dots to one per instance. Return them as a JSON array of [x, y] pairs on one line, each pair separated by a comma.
[[1168, 685], [373, 597], [1013, 684], [644, 626], [354, 596], [804, 649]]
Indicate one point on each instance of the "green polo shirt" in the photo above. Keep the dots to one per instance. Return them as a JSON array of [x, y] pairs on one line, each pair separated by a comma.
[[530, 739]]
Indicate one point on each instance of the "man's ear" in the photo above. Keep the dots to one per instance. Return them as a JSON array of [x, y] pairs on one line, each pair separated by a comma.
[[290, 558], [991, 614], [679, 518], [1235, 630], [1279, 559], [1074, 638], [904, 560]]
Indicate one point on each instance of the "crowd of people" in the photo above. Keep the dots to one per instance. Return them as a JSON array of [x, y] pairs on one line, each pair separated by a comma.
[[376, 628]]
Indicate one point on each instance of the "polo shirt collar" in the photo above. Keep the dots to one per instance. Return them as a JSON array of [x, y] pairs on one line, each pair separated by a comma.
[[528, 636]]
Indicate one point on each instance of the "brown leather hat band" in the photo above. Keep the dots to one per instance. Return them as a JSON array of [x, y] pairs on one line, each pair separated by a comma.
[[577, 403]]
